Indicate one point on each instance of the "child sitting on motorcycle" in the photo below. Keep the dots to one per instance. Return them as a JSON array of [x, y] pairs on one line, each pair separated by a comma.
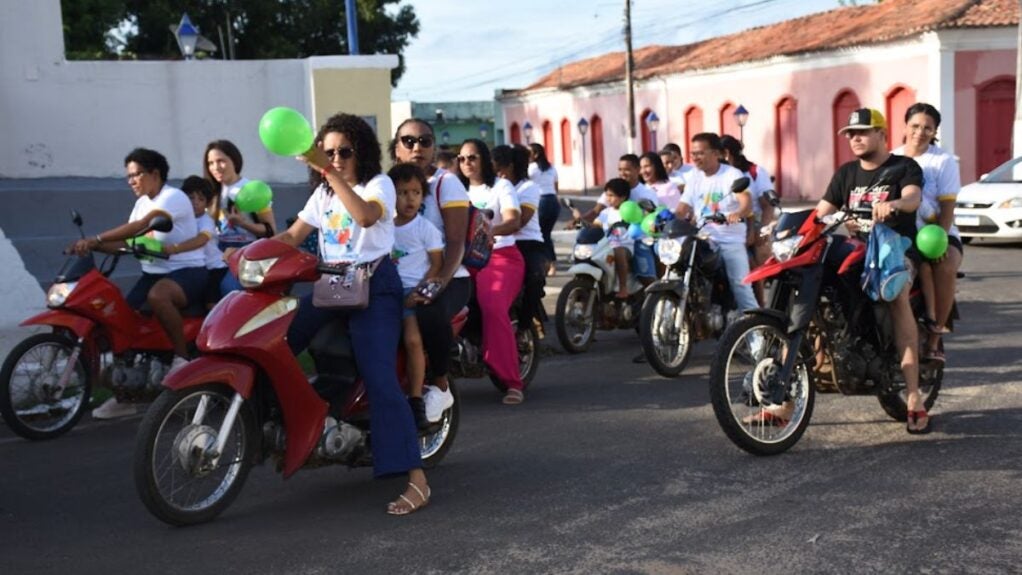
[[201, 194], [617, 192], [418, 253]]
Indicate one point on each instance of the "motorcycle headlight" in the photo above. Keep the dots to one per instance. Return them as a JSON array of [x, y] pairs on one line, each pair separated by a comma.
[[784, 249], [670, 251], [58, 293], [584, 251], [1012, 203], [251, 273]]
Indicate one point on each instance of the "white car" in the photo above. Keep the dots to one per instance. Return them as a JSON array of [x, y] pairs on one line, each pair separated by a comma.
[[991, 209]]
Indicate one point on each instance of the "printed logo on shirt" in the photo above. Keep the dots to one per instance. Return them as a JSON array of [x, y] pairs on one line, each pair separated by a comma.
[[866, 196], [337, 235]]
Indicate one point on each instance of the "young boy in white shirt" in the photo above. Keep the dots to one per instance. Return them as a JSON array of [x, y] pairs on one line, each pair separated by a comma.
[[201, 194]]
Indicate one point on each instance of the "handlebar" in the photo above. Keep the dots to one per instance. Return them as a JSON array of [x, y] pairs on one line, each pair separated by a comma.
[[141, 252]]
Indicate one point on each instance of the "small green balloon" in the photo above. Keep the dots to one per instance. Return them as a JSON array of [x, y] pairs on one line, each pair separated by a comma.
[[649, 224], [630, 212], [285, 131], [931, 241], [254, 196]]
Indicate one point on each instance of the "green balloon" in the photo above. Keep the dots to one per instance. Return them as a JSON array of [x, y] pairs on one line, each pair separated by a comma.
[[932, 241], [254, 196], [630, 212], [649, 224], [285, 131]]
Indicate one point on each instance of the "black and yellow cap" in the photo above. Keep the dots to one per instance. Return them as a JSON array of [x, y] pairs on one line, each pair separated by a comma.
[[865, 119]]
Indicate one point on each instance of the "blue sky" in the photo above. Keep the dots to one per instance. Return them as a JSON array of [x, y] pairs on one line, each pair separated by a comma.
[[466, 50]]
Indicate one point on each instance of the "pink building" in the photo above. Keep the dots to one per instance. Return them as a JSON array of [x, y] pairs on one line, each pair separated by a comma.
[[798, 80]]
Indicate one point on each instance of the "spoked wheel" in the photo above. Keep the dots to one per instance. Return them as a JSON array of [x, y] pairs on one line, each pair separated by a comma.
[[528, 356], [179, 475], [931, 376], [575, 318], [435, 445], [759, 413], [33, 401], [665, 334]]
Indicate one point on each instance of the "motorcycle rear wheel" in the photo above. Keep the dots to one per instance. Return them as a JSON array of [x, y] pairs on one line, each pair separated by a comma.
[[931, 376], [172, 448], [666, 342], [528, 356], [575, 331], [749, 354], [27, 396], [434, 446]]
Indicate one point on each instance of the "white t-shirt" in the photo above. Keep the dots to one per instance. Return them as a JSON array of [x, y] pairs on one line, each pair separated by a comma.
[[210, 251], [758, 186], [500, 197], [680, 176], [341, 239], [413, 242], [619, 238], [453, 195], [528, 196], [228, 234], [177, 205], [544, 179], [667, 193], [707, 195], [941, 181], [640, 192]]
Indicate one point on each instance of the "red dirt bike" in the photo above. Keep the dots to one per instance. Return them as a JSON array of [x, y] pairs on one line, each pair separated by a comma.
[[46, 380], [246, 398], [820, 332]]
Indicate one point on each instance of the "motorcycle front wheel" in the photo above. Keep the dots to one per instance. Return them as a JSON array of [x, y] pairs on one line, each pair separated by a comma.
[[743, 382], [528, 356], [576, 328], [32, 402], [665, 334], [178, 474]]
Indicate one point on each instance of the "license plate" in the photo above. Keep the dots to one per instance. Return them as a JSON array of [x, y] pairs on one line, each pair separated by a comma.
[[966, 220]]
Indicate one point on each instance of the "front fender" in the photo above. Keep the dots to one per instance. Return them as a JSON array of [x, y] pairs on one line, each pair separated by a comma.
[[81, 326], [675, 286], [586, 269], [235, 373]]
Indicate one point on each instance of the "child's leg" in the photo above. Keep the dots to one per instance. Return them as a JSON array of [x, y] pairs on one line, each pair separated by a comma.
[[622, 269], [415, 358]]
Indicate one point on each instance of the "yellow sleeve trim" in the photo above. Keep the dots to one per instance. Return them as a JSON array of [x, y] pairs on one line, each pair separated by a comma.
[[206, 233], [947, 198], [383, 206], [533, 206], [436, 251], [455, 205]]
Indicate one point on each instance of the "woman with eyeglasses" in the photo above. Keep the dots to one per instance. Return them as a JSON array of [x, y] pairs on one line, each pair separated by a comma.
[[168, 286], [352, 207], [545, 176], [498, 283], [446, 207], [941, 184]]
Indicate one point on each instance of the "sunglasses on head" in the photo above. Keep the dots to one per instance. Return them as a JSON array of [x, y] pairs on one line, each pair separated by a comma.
[[409, 141], [468, 158], [344, 153]]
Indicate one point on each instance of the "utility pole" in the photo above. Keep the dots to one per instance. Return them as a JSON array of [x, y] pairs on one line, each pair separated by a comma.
[[1016, 133], [628, 76], [352, 13]]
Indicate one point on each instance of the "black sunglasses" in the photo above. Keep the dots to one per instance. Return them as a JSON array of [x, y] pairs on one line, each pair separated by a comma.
[[409, 141], [468, 158], [344, 153]]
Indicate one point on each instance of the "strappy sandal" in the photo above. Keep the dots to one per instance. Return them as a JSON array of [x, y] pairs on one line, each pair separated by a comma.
[[931, 326], [513, 396], [934, 356], [913, 421], [393, 509]]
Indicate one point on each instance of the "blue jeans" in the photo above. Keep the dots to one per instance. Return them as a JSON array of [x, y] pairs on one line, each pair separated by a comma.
[[736, 261], [644, 261], [375, 334]]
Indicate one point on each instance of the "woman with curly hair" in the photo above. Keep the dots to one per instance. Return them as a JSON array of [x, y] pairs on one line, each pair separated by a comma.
[[352, 207]]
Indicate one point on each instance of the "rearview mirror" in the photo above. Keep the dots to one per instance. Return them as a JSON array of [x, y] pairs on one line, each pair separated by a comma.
[[647, 205], [740, 184], [160, 224], [76, 218]]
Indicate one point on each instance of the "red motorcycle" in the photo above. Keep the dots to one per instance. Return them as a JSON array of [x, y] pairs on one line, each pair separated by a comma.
[[46, 380], [246, 397], [821, 332]]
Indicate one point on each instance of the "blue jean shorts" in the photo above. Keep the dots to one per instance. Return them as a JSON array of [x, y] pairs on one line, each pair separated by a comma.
[[643, 260], [406, 311]]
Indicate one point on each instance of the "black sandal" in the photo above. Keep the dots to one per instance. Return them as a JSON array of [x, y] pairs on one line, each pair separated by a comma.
[[419, 412]]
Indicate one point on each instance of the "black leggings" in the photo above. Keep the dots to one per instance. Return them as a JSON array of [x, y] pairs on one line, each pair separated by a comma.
[[435, 323], [534, 253]]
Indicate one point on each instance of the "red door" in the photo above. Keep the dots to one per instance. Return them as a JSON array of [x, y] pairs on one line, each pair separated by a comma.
[[693, 126], [899, 101], [596, 131], [516, 133], [565, 143], [995, 114], [845, 103], [645, 138], [548, 139], [728, 125], [786, 118]]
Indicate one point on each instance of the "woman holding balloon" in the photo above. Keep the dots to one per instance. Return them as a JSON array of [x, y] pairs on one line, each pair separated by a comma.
[[352, 207], [937, 240]]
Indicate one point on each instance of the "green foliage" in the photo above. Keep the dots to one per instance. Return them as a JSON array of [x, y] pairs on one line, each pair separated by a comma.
[[262, 29]]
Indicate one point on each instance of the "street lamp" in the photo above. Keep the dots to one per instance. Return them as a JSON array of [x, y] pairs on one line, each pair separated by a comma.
[[653, 121], [483, 130], [187, 36], [445, 136], [527, 130], [741, 116], [583, 127]]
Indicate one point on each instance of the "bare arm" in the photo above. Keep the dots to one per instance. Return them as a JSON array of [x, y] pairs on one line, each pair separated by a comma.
[[455, 224], [113, 239], [510, 223], [527, 212], [188, 245], [946, 219], [296, 234], [744, 208], [436, 264]]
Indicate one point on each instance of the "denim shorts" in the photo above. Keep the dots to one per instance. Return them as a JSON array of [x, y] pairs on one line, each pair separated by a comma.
[[644, 260], [191, 280], [406, 311]]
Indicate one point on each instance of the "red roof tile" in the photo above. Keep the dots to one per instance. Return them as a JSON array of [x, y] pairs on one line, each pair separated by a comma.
[[840, 28]]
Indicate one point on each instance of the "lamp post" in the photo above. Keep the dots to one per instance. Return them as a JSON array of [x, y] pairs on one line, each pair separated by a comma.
[[445, 137], [187, 36], [741, 116], [483, 130], [583, 127], [527, 130], [653, 121]]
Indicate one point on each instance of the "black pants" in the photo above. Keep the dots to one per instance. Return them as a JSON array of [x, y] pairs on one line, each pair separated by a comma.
[[435, 324], [549, 210], [534, 253]]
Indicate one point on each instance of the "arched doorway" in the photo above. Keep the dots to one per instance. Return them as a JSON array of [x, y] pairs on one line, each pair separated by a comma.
[[516, 133], [728, 124], [548, 138], [899, 100], [845, 103], [596, 133], [693, 126], [786, 121], [565, 142], [995, 113]]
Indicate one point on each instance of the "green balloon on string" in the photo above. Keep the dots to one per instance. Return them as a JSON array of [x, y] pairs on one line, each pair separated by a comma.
[[285, 131], [931, 241], [630, 212], [254, 196], [649, 224]]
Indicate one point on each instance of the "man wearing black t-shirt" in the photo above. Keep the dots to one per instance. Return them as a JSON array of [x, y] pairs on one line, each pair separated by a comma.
[[890, 186]]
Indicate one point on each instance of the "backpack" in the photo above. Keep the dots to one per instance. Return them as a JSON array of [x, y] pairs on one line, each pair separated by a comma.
[[885, 273], [478, 236]]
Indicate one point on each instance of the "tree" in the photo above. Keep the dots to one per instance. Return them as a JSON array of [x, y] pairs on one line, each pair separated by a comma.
[[87, 26]]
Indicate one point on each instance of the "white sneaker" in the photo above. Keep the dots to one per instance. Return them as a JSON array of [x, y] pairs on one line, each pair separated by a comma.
[[177, 362], [437, 402], [111, 409]]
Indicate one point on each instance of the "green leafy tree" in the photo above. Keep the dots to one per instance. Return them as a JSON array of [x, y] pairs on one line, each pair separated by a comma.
[[87, 27]]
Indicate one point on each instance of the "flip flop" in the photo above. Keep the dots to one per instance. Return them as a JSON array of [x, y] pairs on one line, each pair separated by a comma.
[[913, 419], [934, 355]]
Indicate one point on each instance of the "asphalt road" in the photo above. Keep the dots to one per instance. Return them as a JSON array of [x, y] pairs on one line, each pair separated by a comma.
[[605, 468]]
